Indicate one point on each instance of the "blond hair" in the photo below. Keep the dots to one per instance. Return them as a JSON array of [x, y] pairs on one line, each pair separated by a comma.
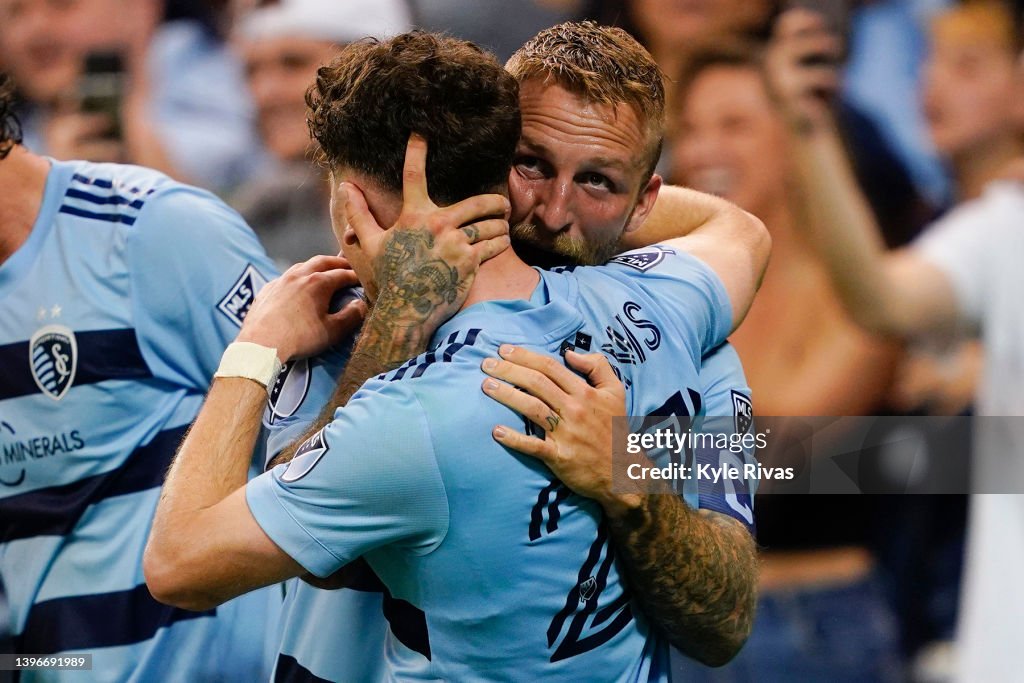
[[601, 64]]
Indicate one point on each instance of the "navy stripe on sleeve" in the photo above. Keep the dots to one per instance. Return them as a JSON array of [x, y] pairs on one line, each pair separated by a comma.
[[108, 217]]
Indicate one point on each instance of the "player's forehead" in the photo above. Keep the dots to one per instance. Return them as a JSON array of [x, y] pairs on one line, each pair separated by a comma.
[[563, 126]]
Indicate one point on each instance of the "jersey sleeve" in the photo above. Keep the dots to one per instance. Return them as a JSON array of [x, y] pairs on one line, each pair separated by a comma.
[[195, 268], [368, 479], [729, 418], [688, 293]]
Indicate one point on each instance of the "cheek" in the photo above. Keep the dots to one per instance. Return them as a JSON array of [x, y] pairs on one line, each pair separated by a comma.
[[601, 219], [522, 195]]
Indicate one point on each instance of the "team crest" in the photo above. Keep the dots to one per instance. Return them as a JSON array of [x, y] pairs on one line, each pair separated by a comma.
[[640, 260], [306, 458], [288, 392], [236, 303], [53, 356], [743, 411]]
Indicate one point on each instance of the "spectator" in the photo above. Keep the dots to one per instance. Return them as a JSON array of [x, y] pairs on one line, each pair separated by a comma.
[[964, 274], [182, 105], [822, 614], [282, 45]]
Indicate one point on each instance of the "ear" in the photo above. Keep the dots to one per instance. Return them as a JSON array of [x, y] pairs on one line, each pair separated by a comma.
[[644, 203]]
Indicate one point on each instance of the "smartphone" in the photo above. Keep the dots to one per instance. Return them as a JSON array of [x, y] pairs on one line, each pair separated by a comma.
[[101, 88], [837, 17]]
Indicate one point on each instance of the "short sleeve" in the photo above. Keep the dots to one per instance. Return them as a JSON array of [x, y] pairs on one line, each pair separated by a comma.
[[367, 480], [729, 418], [686, 290], [960, 245], [195, 267]]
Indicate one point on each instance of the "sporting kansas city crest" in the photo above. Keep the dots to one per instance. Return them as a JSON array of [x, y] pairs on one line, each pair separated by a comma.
[[53, 357], [288, 392]]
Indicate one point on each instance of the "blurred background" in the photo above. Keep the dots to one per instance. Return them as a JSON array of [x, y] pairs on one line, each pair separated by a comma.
[[856, 588]]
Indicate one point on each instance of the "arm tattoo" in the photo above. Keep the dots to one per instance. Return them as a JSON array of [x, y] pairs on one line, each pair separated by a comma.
[[415, 287], [693, 573]]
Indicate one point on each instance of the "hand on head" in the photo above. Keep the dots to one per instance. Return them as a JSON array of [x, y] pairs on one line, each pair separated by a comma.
[[421, 269]]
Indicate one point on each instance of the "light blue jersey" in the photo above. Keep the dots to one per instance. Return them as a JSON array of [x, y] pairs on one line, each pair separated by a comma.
[[113, 317], [729, 410], [513, 573]]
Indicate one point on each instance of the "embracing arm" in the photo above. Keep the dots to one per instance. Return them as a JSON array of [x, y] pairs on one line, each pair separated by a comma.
[[205, 547], [734, 243], [694, 573]]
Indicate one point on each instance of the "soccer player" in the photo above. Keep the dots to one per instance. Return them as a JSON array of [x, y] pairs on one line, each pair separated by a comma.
[[589, 226], [119, 289], [442, 513]]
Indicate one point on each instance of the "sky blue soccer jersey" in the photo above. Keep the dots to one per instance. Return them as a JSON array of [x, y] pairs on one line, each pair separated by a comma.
[[113, 318], [513, 573]]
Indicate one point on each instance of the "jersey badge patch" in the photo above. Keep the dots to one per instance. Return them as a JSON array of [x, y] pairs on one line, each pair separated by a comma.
[[288, 392], [53, 357], [640, 260], [743, 412], [306, 458], [235, 304]]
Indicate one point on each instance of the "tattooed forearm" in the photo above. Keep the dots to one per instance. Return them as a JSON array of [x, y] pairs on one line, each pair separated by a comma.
[[693, 573], [417, 291]]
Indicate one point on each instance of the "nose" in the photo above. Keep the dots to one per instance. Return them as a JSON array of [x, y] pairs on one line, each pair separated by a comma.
[[555, 210]]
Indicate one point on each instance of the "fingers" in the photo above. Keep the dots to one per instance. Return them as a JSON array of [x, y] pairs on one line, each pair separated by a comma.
[[414, 174], [485, 230], [517, 441], [358, 215], [342, 324], [540, 387], [799, 20], [319, 264], [530, 407], [596, 368], [548, 367], [478, 207], [487, 250]]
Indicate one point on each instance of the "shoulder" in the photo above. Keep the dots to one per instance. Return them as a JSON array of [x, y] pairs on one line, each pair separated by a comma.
[[661, 264], [110, 193]]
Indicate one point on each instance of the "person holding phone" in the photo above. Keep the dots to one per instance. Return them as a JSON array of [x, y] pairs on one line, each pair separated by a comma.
[[170, 90]]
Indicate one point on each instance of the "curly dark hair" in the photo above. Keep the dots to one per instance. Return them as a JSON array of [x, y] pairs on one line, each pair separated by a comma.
[[10, 128], [367, 101]]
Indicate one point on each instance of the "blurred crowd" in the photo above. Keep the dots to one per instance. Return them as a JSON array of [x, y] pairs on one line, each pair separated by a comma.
[[929, 101]]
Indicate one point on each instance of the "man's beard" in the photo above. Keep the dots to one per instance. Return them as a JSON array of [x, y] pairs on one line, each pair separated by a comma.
[[539, 248]]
